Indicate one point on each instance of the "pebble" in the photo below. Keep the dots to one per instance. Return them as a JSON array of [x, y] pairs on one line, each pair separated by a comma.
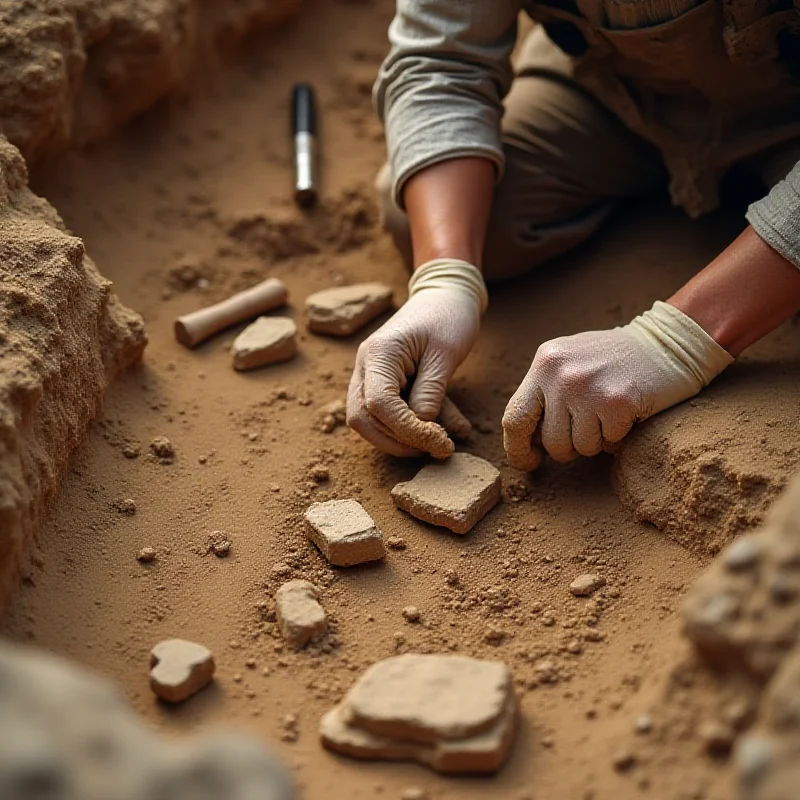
[[219, 544], [268, 340], [717, 737], [414, 793], [179, 669], [344, 532], [411, 614], [586, 585], [126, 506], [147, 555], [162, 449], [624, 761], [300, 615], [451, 713], [396, 542], [644, 724], [131, 451], [344, 310], [455, 494]]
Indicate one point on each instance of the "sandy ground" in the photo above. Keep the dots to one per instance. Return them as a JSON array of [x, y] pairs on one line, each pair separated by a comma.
[[189, 181]]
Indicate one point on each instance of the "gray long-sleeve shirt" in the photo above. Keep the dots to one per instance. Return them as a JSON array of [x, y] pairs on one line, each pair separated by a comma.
[[440, 91]]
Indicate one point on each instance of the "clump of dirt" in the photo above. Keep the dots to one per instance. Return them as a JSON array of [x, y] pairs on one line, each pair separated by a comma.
[[708, 470], [340, 225]]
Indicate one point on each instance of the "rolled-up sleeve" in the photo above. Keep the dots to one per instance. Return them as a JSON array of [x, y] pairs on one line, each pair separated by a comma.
[[440, 90], [776, 217]]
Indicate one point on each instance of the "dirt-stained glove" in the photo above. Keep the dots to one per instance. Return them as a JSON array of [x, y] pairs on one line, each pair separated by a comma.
[[425, 340], [583, 393]]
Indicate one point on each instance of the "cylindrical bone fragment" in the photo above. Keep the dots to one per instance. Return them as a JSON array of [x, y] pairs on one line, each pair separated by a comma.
[[194, 328]]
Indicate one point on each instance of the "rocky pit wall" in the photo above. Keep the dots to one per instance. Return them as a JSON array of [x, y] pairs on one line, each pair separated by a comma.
[[69, 735], [70, 73]]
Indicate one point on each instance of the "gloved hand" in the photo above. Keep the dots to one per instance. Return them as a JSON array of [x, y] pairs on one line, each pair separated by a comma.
[[425, 340], [583, 393]]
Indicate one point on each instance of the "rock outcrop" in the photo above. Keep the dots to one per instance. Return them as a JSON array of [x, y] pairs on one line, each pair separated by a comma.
[[72, 72], [63, 337], [68, 735], [744, 611], [743, 617]]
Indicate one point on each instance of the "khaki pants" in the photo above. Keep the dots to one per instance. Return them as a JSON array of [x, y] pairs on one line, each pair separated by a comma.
[[569, 162]]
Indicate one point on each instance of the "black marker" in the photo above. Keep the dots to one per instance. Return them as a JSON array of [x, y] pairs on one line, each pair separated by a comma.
[[304, 130]]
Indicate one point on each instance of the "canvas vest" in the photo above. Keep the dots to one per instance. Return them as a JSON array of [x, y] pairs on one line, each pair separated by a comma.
[[708, 82]]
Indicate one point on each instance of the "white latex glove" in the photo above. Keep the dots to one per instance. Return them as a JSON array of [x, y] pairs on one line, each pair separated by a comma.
[[426, 339], [583, 393]]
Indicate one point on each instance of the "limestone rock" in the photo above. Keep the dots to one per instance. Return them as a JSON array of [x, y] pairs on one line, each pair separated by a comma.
[[343, 310], [744, 611], [72, 733], [452, 713], [586, 585], [179, 669], [63, 338], [300, 615], [344, 532], [268, 340], [455, 494]]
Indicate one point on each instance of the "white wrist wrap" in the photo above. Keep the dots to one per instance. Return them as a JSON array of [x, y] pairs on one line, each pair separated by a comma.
[[446, 273], [693, 357]]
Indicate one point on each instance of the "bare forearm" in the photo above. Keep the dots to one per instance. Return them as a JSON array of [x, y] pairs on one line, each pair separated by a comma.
[[745, 293], [448, 207]]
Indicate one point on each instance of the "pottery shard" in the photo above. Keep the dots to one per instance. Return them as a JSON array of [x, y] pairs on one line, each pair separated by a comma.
[[344, 532], [345, 309], [268, 340], [179, 669], [300, 616], [452, 713], [455, 494]]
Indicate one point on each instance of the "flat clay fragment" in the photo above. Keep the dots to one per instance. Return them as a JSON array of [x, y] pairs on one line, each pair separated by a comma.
[[268, 340], [179, 669], [343, 310], [451, 713], [455, 494], [344, 532], [300, 616]]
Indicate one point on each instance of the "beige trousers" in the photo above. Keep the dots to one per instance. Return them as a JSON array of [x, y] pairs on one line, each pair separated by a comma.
[[569, 163]]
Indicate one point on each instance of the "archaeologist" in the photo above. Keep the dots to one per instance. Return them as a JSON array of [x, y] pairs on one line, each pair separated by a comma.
[[611, 100]]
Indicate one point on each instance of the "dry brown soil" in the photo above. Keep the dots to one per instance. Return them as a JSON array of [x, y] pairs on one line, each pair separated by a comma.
[[206, 178]]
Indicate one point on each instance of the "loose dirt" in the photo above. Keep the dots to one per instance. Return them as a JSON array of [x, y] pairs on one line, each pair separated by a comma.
[[191, 203]]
